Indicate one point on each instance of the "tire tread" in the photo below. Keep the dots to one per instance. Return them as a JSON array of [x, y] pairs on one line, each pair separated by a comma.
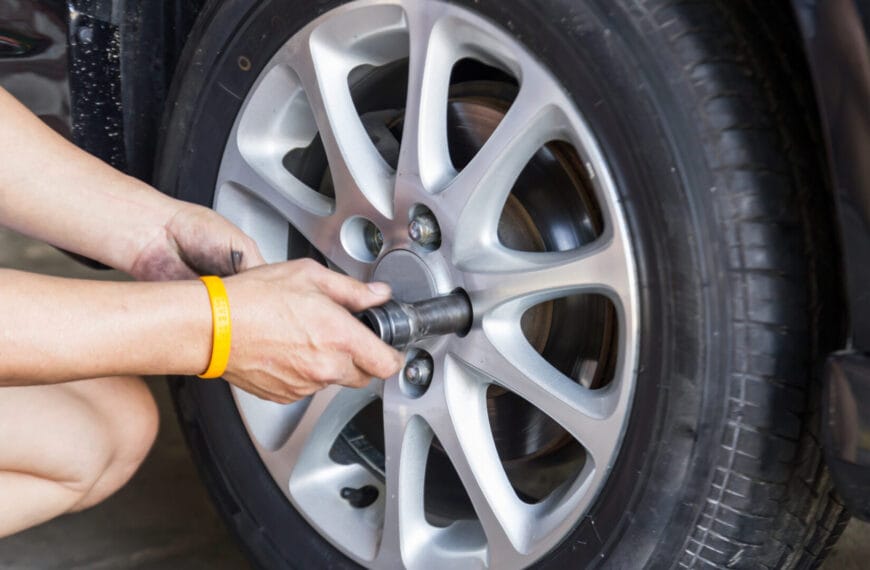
[[771, 503]]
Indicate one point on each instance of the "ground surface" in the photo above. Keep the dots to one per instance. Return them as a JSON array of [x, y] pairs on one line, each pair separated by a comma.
[[163, 518]]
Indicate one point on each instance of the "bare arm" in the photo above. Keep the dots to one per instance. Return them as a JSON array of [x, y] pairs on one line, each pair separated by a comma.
[[55, 330], [292, 334], [292, 328], [53, 191]]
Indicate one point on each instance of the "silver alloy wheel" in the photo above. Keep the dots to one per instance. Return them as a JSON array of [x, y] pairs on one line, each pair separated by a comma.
[[302, 93]]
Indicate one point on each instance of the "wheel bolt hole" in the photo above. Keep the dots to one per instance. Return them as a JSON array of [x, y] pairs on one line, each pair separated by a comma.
[[362, 238], [374, 240], [360, 498], [417, 373], [423, 228]]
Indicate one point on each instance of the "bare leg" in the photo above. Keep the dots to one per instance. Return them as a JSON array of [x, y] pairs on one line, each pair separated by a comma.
[[67, 447]]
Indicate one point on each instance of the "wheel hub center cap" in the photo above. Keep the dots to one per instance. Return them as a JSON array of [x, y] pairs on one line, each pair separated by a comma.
[[407, 274]]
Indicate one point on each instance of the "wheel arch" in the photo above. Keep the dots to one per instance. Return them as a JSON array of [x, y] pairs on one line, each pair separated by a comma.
[[122, 57], [836, 41]]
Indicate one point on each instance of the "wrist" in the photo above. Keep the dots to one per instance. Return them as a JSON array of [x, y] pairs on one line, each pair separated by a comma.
[[128, 217], [221, 338], [189, 320], [175, 327], [151, 242], [170, 328]]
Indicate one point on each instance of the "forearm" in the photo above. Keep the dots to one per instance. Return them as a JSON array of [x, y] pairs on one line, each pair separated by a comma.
[[56, 330], [53, 191]]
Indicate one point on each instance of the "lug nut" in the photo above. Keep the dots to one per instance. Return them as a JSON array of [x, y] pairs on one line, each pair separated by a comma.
[[418, 371], [374, 240], [424, 229]]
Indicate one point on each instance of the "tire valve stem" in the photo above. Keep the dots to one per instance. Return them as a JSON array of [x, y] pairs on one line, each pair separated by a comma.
[[360, 498]]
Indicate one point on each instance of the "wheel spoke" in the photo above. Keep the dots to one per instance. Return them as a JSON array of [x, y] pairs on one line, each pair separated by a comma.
[[586, 414], [306, 210], [466, 436], [424, 151], [363, 180], [480, 191], [407, 440], [313, 481], [270, 424], [512, 281], [260, 221], [306, 452]]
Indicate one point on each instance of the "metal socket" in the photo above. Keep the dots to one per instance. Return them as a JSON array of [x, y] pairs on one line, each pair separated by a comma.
[[402, 324]]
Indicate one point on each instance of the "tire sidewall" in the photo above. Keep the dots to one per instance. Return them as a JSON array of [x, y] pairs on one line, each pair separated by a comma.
[[617, 74]]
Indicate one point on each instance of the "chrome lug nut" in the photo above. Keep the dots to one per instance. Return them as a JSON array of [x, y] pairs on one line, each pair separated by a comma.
[[418, 371], [374, 240], [424, 230]]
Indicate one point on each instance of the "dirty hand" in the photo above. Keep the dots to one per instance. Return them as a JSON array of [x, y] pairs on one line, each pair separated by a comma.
[[294, 334], [195, 241]]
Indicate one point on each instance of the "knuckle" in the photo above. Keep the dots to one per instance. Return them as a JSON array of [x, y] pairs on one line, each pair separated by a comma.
[[316, 268], [310, 372], [294, 396], [345, 343], [386, 371], [277, 398], [306, 266], [362, 380], [329, 372], [286, 399], [383, 370], [387, 363], [288, 394]]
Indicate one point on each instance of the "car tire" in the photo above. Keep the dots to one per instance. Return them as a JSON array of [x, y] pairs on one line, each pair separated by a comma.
[[704, 116]]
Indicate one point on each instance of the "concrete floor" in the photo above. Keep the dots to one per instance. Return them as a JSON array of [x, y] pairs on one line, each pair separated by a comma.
[[163, 518]]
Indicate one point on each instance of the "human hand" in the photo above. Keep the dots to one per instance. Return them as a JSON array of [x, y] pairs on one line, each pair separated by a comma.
[[294, 334], [195, 241]]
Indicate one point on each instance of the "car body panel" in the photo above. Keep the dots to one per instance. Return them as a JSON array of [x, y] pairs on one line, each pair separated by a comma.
[[836, 34], [34, 59], [79, 65], [836, 39], [95, 80]]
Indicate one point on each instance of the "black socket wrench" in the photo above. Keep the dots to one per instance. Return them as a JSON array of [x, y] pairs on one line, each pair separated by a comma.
[[402, 324]]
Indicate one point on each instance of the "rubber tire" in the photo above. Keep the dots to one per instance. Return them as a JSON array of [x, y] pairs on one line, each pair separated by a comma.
[[704, 115]]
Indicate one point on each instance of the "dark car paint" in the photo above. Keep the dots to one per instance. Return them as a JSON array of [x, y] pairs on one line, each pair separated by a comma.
[[836, 35], [836, 40], [122, 58], [98, 71], [94, 43], [79, 66], [33, 58]]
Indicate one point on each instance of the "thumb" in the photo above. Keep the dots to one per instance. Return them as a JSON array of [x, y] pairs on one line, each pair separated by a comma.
[[244, 252], [248, 258], [352, 294]]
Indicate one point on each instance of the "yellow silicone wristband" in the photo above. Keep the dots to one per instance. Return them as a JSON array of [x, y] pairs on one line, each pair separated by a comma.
[[221, 327]]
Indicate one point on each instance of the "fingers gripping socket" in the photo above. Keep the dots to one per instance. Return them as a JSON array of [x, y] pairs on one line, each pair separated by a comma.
[[402, 324]]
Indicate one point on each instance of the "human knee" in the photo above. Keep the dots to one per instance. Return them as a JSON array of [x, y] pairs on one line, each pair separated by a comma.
[[129, 433], [135, 424], [87, 463]]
